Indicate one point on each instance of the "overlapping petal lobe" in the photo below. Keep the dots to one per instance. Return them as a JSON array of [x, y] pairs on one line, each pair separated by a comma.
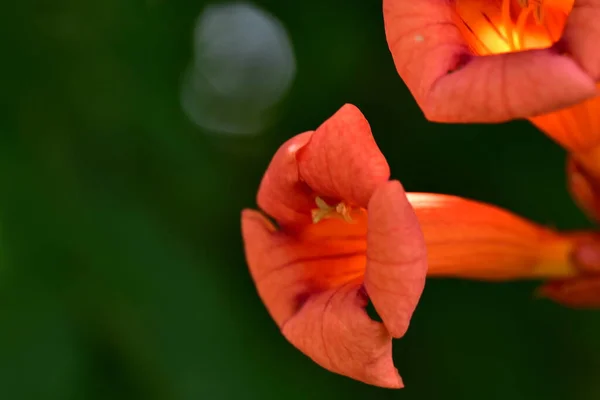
[[582, 34], [579, 293], [334, 330], [310, 283], [451, 84], [281, 193], [342, 160], [585, 193], [290, 268], [469, 239], [396, 257]]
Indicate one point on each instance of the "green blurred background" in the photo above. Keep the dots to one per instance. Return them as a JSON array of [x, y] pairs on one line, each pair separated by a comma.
[[135, 131]]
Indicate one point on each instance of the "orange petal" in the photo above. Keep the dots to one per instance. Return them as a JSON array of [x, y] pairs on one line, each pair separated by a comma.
[[396, 257], [281, 194], [580, 293], [582, 189], [287, 268], [575, 128], [334, 330], [582, 34], [469, 239], [342, 160], [451, 84], [310, 282]]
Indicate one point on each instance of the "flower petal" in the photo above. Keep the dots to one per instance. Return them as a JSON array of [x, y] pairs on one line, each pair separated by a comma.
[[575, 128], [311, 284], [579, 293], [396, 257], [451, 84], [334, 330], [289, 268], [469, 239], [281, 193], [342, 160], [582, 34]]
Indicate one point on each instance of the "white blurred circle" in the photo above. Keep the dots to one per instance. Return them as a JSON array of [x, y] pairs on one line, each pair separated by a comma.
[[243, 65]]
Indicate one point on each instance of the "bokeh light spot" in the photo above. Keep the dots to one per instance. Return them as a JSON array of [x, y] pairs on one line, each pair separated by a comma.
[[243, 65]]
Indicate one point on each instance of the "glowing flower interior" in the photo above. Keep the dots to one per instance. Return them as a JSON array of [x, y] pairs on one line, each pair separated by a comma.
[[493, 60], [510, 26], [514, 26]]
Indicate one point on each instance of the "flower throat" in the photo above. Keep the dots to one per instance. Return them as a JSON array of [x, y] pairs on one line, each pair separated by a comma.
[[504, 26]]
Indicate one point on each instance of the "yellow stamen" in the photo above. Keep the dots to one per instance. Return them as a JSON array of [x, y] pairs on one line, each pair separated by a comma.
[[515, 30], [507, 22], [520, 26], [324, 210]]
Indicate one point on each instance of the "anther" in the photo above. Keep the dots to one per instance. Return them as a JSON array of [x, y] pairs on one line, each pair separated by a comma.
[[324, 210]]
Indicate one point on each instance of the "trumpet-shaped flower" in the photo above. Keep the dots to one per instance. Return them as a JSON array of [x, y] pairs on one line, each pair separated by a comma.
[[335, 234], [345, 235], [494, 60]]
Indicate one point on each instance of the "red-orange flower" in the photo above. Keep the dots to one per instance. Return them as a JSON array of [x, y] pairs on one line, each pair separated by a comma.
[[345, 235], [493, 60]]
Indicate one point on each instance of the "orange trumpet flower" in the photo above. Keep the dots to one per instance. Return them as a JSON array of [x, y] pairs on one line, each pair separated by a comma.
[[493, 60], [326, 259], [344, 234]]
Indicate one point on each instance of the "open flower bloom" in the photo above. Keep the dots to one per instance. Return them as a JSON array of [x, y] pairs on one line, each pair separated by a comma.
[[494, 60], [344, 234]]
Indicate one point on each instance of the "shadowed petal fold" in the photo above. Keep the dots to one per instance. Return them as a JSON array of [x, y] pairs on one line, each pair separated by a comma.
[[334, 330]]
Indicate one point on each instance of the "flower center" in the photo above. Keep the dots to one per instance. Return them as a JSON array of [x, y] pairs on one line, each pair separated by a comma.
[[504, 26], [324, 210]]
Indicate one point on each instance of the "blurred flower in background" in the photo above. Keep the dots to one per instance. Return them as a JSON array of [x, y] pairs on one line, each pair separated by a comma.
[[491, 60], [242, 66]]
